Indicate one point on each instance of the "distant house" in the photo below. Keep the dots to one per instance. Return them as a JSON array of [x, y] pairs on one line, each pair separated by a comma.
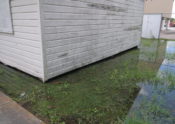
[[158, 7], [47, 38], [164, 7]]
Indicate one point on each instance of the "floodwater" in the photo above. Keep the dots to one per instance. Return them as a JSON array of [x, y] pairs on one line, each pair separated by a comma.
[[155, 103], [136, 86]]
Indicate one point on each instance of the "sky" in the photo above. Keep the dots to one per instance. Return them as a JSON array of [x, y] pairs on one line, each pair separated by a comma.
[[173, 11]]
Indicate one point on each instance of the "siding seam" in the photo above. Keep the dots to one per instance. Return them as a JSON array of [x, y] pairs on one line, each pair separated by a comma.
[[43, 45]]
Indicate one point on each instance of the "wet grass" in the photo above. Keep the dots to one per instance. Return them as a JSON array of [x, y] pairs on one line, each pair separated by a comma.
[[154, 108], [101, 93], [155, 102]]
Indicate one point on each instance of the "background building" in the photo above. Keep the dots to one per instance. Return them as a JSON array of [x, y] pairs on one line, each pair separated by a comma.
[[164, 7]]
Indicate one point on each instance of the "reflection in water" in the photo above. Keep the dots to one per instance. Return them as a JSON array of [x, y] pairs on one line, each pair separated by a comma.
[[168, 65], [148, 51], [155, 103]]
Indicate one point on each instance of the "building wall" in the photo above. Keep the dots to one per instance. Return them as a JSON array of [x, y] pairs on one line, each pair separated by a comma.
[[79, 32], [159, 6], [23, 48], [151, 26]]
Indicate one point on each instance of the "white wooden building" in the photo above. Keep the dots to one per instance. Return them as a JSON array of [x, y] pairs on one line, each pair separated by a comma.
[[46, 38]]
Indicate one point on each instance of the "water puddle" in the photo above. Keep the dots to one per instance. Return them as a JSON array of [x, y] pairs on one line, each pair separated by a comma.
[[155, 103]]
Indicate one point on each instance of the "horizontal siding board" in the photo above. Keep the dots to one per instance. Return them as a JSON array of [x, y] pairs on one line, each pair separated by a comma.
[[23, 29], [25, 9], [27, 23], [57, 23], [23, 2], [33, 37], [69, 29], [68, 16], [25, 16]]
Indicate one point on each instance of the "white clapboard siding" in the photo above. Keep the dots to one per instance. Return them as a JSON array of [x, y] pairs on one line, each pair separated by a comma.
[[79, 32], [52, 37], [23, 48]]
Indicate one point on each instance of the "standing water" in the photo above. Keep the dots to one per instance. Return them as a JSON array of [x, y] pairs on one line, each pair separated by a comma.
[[104, 92], [155, 103]]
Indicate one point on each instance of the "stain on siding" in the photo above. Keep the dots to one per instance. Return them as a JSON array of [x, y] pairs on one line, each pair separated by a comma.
[[106, 7], [133, 28], [63, 55]]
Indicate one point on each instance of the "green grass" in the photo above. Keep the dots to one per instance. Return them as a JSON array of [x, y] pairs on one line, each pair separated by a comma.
[[158, 39], [101, 93]]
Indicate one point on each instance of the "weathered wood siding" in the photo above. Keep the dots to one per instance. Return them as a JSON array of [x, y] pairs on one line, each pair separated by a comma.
[[80, 32], [23, 48]]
